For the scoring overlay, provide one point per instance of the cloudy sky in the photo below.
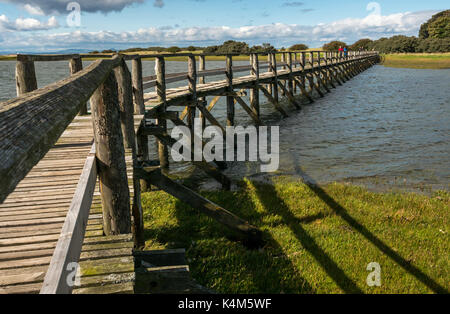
(48, 25)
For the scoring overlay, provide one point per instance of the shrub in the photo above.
(298, 47)
(173, 49)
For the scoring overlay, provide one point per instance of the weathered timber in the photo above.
(202, 103)
(25, 77)
(110, 154)
(125, 96)
(273, 101)
(21, 121)
(248, 233)
(247, 109)
(68, 248)
(160, 70)
(207, 168)
(138, 89)
(192, 84)
(254, 92)
(76, 65)
(230, 99)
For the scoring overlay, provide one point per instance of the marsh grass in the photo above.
(418, 60)
(319, 240)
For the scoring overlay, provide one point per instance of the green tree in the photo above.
(334, 45)
(440, 28)
(298, 47)
(425, 27)
(362, 44)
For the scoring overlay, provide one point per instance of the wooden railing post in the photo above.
(110, 155)
(125, 92)
(160, 70)
(76, 65)
(254, 92)
(25, 76)
(269, 60)
(290, 81)
(230, 99)
(201, 80)
(192, 84)
(138, 90)
(275, 79)
(283, 67)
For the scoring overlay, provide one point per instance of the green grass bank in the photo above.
(418, 60)
(319, 240)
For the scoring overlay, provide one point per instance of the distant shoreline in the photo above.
(407, 60)
(438, 61)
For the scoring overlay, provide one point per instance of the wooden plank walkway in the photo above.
(32, 216)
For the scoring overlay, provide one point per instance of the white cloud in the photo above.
(59, 6)
(351, 29)
(33, 10)
(26, 24)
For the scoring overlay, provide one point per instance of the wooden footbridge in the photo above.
(71, 179)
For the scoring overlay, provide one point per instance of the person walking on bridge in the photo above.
(341, 50)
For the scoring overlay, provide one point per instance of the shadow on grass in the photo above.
(267, 195)
(342, 212)
(220, 262)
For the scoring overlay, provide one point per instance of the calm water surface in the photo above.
(387, 128)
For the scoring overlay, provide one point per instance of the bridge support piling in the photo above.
(125, 91)
(160, 70)
(202, 101)
(230, 98)
(254, 92)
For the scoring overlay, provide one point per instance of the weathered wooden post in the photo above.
(125, 96)
(76, 65)
(110, 154)
(201, 80)
(290, 81)
(138, 89)
(230, 98)
(283, 67)
(125, 92)
(269, 61)
(192, 83)
(254, 92)
(25, 75)
(273, 69)
(160, 70)
(295, 66)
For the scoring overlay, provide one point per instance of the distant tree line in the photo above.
(434, 36)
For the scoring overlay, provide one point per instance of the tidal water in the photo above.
(386, 128)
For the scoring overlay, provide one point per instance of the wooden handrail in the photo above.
(68, 248)
(21, 121)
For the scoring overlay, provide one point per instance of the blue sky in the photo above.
(41, 25)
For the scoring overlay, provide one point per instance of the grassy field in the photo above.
(418, 60)
(319, 240)
(7, 58)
